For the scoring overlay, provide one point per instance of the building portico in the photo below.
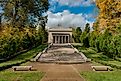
(60, 36)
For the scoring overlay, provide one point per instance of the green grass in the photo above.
(30, 54)
(22, 57)
(102, 76)
(100, 58)
(96, 64)
(20, 76)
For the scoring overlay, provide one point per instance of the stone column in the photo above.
(53, 39)
(56, 39)
(65, 39)
(62, 39)
(68, 38)
(59, 39)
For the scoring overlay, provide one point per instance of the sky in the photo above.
(71, 13)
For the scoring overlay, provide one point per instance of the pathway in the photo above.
(62, 72)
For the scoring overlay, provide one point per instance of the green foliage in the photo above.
(92, 39)
(43, 34)
(14, 41)
(100, 57)
(107, 43)
(78, 31)
(87, 28)
(22, 58)
(20, 13)
(19, 31)
(76, 34)
(84, 38)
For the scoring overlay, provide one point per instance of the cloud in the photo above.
(73, 3)
(66, 19)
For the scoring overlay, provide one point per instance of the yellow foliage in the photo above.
(109, 14)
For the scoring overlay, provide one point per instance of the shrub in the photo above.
(106, 42)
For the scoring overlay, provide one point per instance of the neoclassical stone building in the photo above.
(60, 35)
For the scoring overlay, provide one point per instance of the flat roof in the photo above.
(60, 30)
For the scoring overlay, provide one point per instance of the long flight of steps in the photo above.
(61, 54)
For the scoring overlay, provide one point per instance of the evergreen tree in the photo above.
(87, 28)
(84, 38)
(78, 31)
(76, 34)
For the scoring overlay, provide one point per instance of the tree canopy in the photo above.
(76, 34)
(24, 12)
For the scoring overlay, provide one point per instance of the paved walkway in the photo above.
(62, 72)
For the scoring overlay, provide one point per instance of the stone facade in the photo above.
(60, 36)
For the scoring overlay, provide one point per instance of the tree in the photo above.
(84, 38)
(0, 22)
(92, 38)
(43, 34)
(87, 28)
(78, 31)
(76, 34)
(23, 12)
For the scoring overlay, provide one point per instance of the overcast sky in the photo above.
(71, 13)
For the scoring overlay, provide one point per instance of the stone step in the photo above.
(61, 54)
(63, 62)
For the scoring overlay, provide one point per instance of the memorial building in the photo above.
(60, 35)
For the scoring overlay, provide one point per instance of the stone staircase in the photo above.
(61, 54)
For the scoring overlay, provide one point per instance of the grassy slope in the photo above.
(23, 57)
(100, 76)
(20, 76)
(99, 57)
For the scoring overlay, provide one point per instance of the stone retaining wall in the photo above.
(77, 51)
(39, 54)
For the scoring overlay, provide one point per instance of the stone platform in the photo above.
(63, 54)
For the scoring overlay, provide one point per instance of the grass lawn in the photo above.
(20, 76)
(102, 76)
(100, 59)
(22, 57)
(8, 75)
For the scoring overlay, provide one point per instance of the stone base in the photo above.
(101, 68)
